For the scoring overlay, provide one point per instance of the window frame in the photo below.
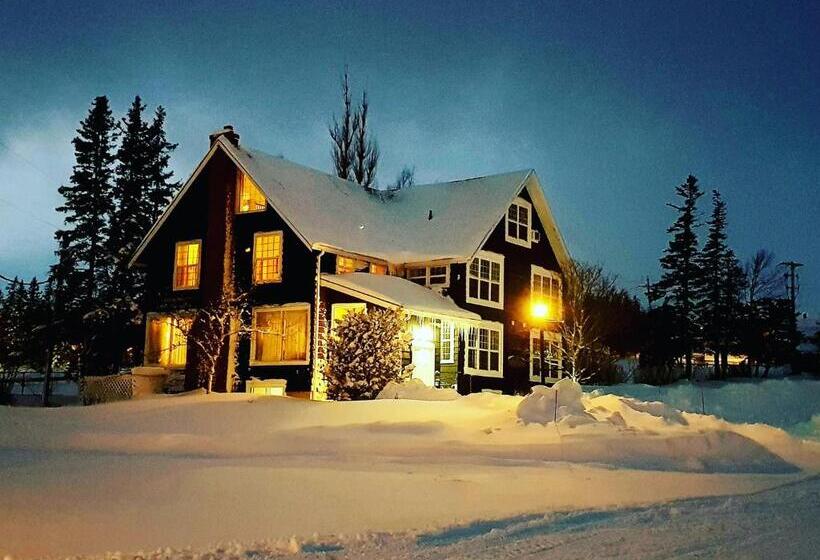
(281, 236)
(357, 306)
(449, 327)
(536, 270)
(151, 315)
(427, 274)
(240, 182)
(198, 264)
(550, 337)
(492, 258)
(489, 326)
(252, 361)
(518, 201)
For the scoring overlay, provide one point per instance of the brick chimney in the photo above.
(226, 131)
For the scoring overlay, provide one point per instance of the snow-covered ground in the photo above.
(401, 478)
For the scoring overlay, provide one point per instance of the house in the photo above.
(467, 260)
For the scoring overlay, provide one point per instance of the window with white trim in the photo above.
(485, 280)
(281, 335)
(267, 257)
(545, 287)
(519, 222)
(447, 342)
(552, 355)
(484, 350)
(186, 264)
(430, 276)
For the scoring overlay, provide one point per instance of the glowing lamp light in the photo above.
(423, 333)
(539, 310)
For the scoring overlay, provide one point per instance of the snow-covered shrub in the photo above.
(548, 404)
(416, 390)
(365, 353)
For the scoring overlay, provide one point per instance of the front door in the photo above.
(424, 360)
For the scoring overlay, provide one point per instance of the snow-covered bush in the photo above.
(416, 390)
(365, 353)
(548, 404)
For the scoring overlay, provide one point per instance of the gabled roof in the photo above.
(394, 291)
(423, 223)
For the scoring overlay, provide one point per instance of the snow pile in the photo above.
(560, 402)
(416, 390)
(784, 403)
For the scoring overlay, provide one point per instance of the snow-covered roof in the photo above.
(394, 291)
(422, 223)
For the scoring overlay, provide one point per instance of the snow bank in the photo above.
(778, 402)
(560, 402)
(416, 390)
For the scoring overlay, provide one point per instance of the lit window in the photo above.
(345, 265)
(484, 350)
(519, 220)
(485, 280)
(545, 288)
(166, 340)
(552, 355)
(380, 269)
(267, 257)
(430, 276)
(280, 335)
(447, 342)
(249, 197)
(186, 265)
(338, 311)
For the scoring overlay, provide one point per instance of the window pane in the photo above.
(473, 288)
(523, 215)
(483, 359)
(494, 293)
(494, 361)
(295, 336)
(495, 276)
(512, 213)
(494, 339)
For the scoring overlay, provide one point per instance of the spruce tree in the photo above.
(161, 187)
(680, 269)
(713, 262)
(365, 149)
(83, 258)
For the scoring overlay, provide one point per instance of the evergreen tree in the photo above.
(160, 188)
(83, 270)
(681, 271)
(355, 154)
(16, 327)
(713, 262)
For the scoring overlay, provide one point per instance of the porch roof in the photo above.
(393, 292)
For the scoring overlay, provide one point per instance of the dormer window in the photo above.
(519, 222)
(249, 198)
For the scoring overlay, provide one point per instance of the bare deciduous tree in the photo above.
(343, 134)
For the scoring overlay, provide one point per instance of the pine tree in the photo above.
(83, 259)
(680, 268)
(160, 188)
(713, 263)
(355, 154)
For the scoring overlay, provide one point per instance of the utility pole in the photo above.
(792, 288)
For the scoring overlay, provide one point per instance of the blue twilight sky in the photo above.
(613, 103)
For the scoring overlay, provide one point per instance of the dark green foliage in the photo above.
(681, 269)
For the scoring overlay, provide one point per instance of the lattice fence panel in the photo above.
(106, 388)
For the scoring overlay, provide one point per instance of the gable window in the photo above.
(249, 197)
(166, 340)
(345, 265)
(186, 264)
(281, 335)
(545, 287)
(552, 355)
(483, 355)
(430, 276)
(519, 221)
(447, 342)
(267, 257)
(485, 279)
